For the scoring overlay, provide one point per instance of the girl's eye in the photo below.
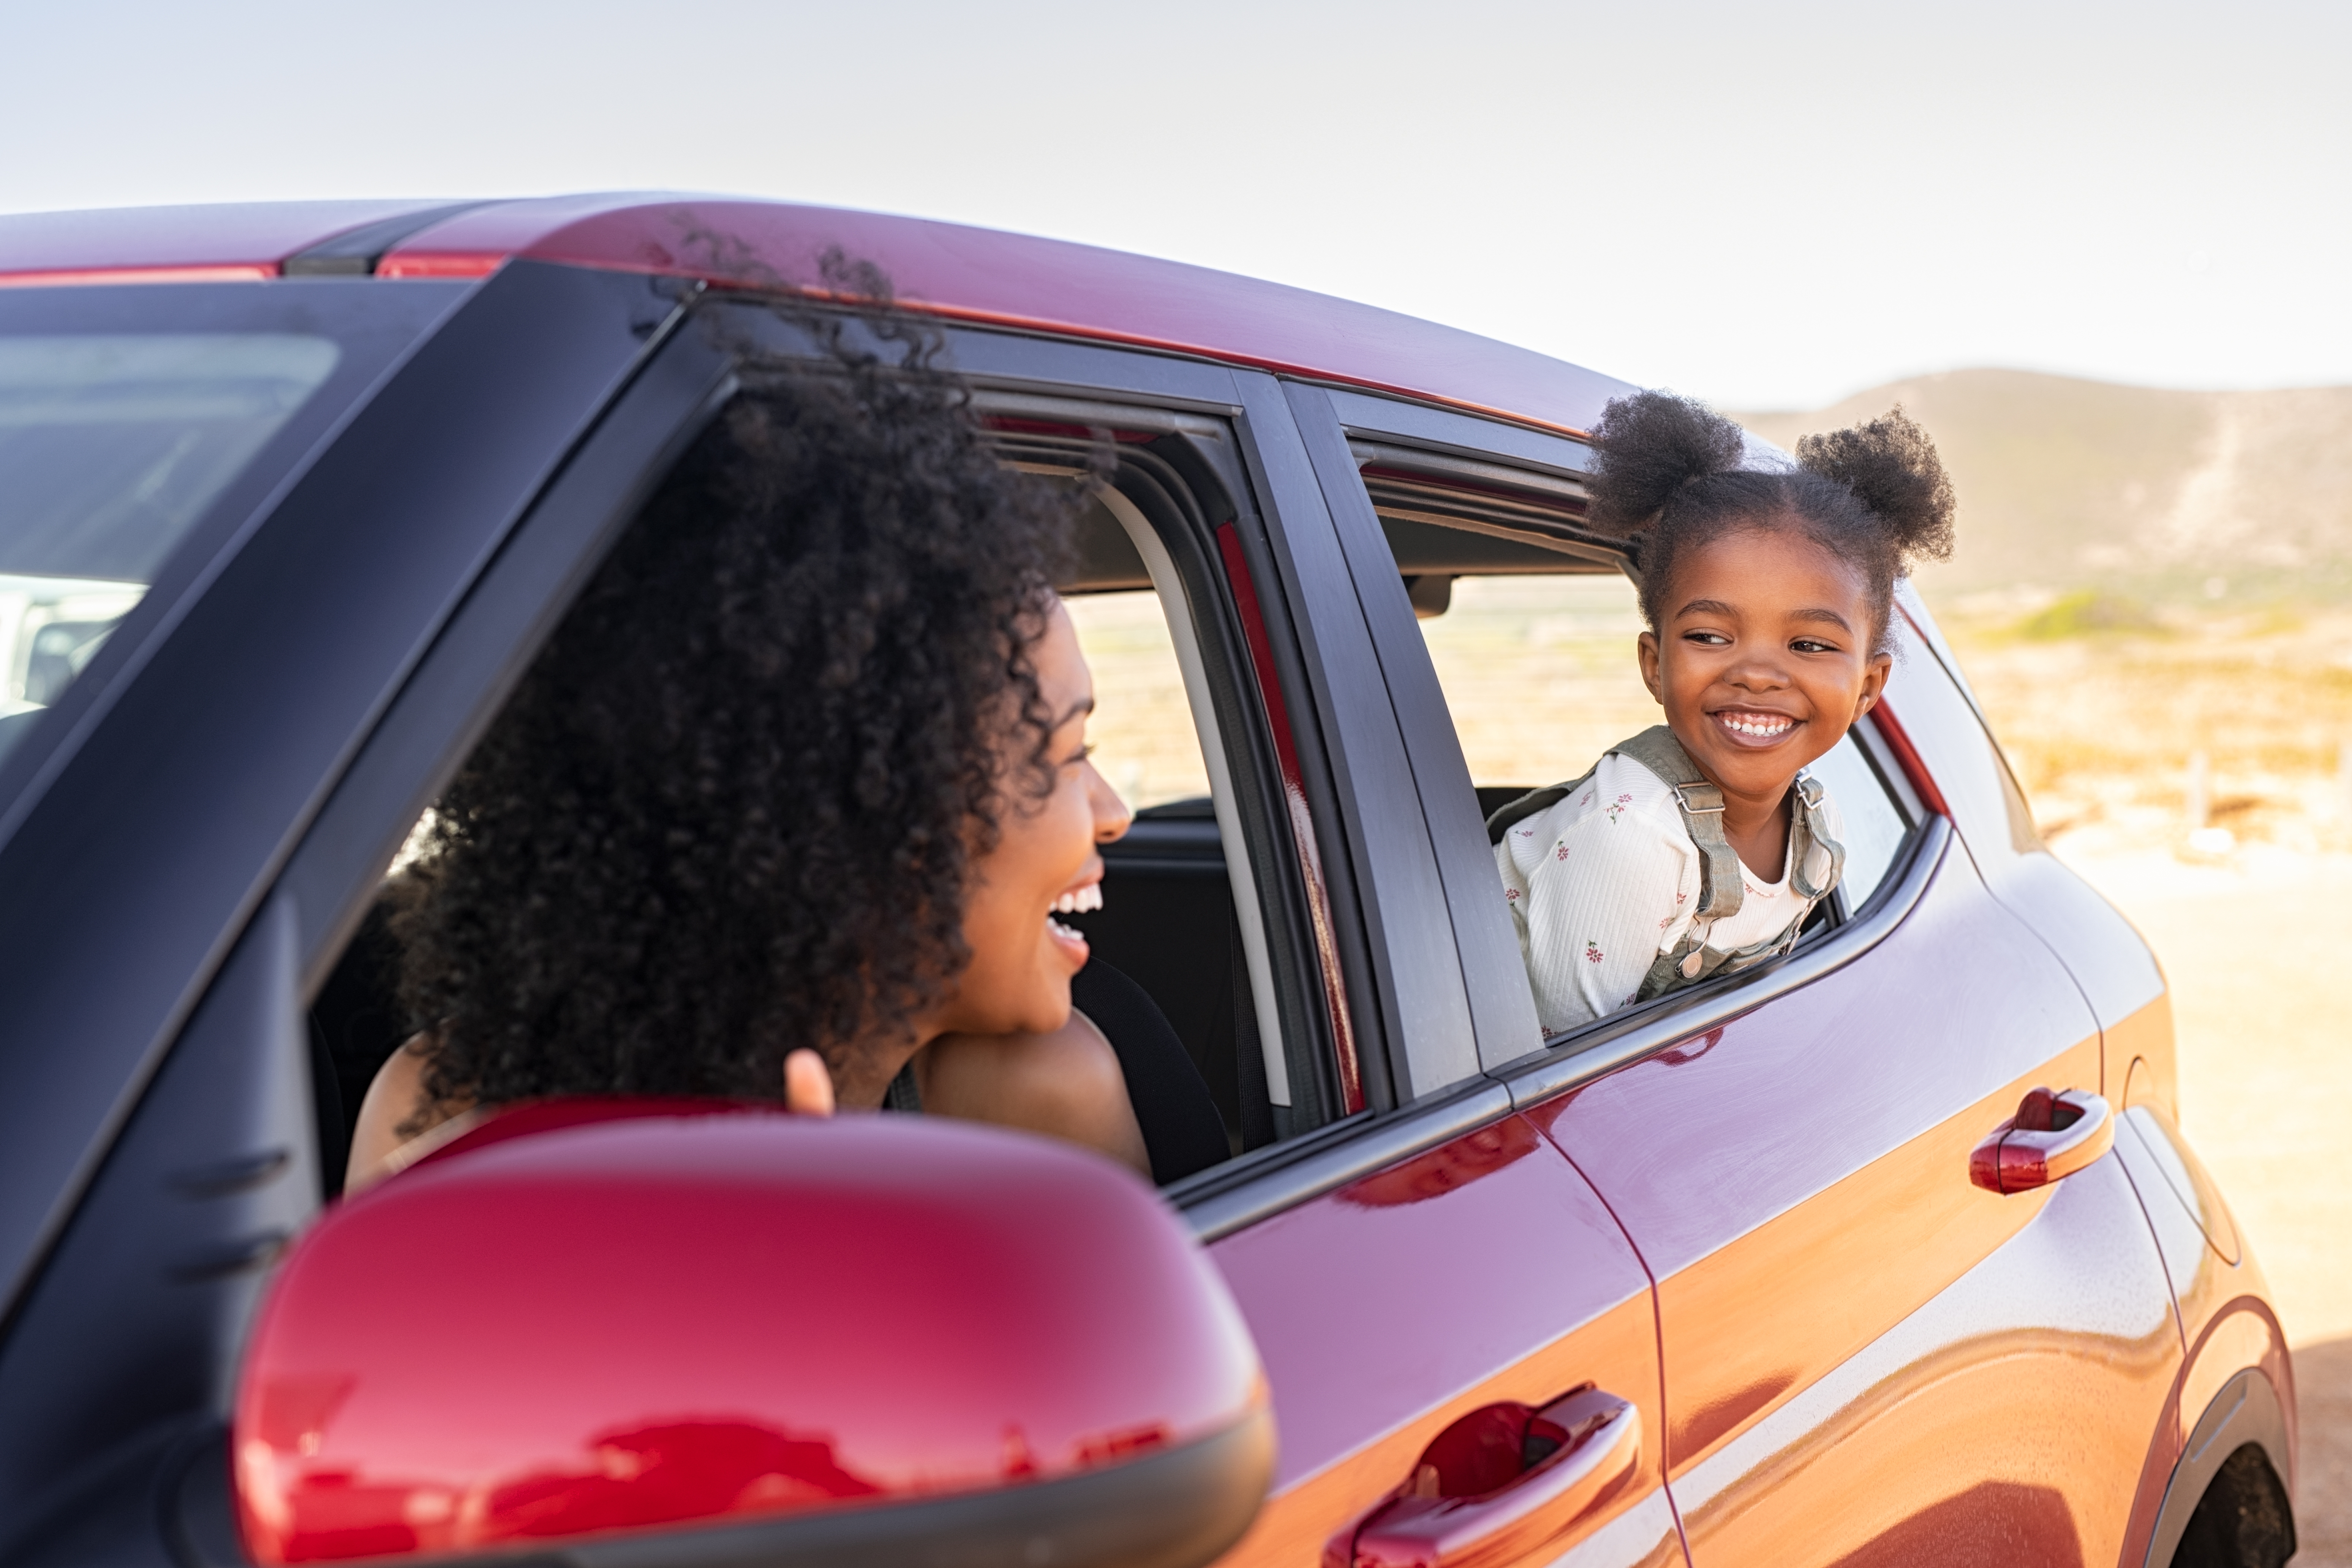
(1707, 639)
(1812, 645)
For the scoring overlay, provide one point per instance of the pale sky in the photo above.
(1766, 205)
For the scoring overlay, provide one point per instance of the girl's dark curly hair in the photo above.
(733, 806)
(1669, 481)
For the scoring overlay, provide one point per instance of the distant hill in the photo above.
(2062, 480)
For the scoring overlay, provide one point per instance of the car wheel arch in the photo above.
(2245, 1413)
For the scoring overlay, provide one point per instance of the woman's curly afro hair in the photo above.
(732, 807)
(1669, 481)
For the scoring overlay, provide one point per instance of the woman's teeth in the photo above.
(1082, 901)
(1763, 726)
(1065, 933)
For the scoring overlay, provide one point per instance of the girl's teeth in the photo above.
(1758, 726)
(1062, 930)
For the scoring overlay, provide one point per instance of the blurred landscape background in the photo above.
(2152, 596)
(2144, 578)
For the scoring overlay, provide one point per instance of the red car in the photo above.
(1890, 1251)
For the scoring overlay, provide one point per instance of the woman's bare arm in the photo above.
(1066, 1085)
(395, 1101)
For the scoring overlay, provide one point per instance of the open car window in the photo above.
(1197, 936)
(1202, 898)
(1531, 623)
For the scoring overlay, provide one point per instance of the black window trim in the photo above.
(1170, 482)
(553, 348)
(1319, 645)
(1563, 1062)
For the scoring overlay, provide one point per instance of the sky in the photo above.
(1770, 206)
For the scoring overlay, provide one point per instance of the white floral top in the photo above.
(1606, 880)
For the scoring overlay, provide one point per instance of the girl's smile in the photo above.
(1755, 728)
(1762, 663)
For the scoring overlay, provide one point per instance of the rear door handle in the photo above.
(1552, 1465)
(2051, 1136)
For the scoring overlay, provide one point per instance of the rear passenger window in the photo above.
(1876, 825)
(1531, 622)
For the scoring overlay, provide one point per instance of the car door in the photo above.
(1856, 1340)
(1855, 1335)
(1459, 1342)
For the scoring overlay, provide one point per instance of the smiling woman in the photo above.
(793, 797)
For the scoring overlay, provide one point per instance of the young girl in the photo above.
(1701, 846)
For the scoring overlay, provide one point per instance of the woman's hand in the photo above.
(808, 1086)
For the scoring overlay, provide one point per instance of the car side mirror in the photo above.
(622, 1333)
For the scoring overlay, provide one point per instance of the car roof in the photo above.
(951, 270)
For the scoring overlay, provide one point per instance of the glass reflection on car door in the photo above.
(1426, 1328)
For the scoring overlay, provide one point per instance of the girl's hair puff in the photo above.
(1670, 481)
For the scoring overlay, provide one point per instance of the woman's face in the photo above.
(1045, 862)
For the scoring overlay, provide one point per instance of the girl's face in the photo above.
(1762, 658)
(1044, 861)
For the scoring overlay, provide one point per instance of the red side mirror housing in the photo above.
(865, 1338)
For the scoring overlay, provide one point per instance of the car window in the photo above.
(111, 446)
(1538, 672)
(1532, 624)
(1190, 944)
(1142, 731)
(1876, 826)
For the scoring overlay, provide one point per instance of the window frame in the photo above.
(1178, 486)
(1374, 849)
(1469, 446)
